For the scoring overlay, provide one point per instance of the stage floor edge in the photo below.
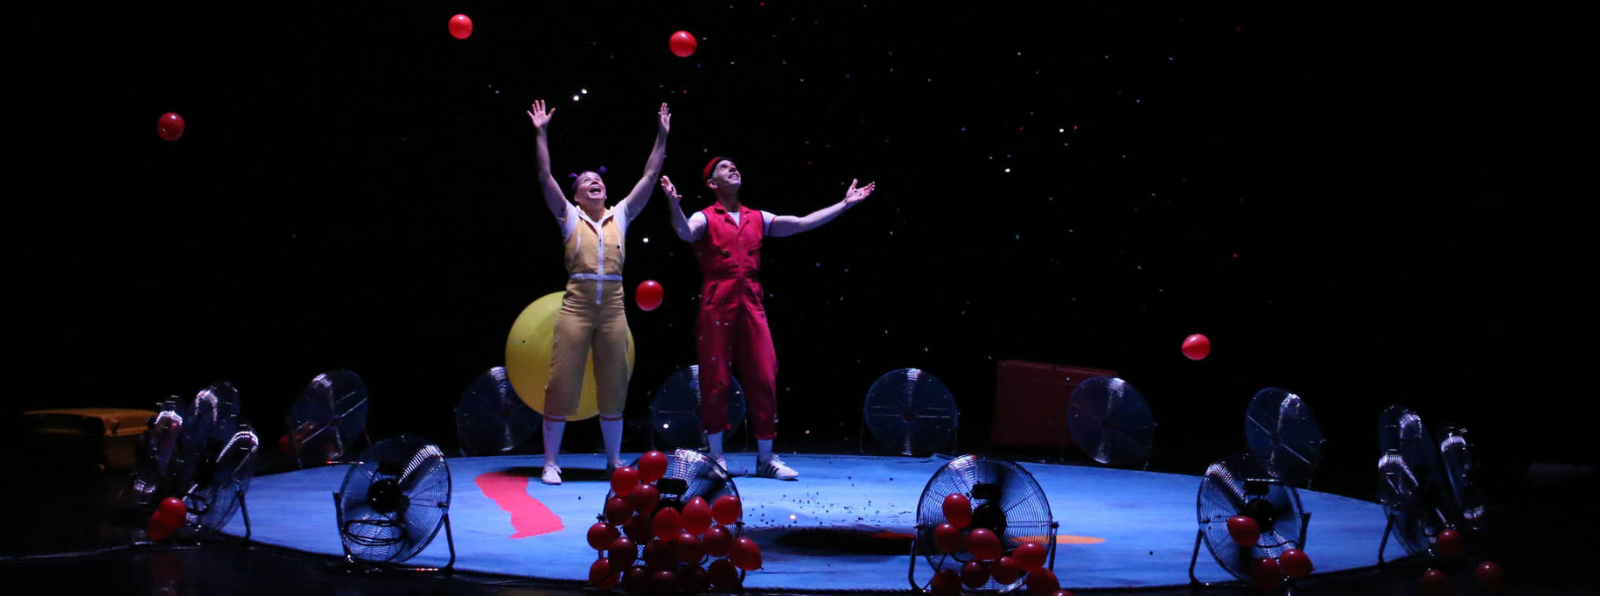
(834, 529)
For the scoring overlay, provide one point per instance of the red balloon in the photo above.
(718, 541)
(974, 574)
(644, 498)
(1196, 347)
(460, 26)
(1490, 577)
(697, 516)
(658, 555)
(683, 44)
(1295, 563)
(946, 583)
(663, 583)
(653, 464)
(1005, 571)
(1244, 530)
(1266, 574)
(1043, 582)
(618, 510)
(745, 554)
(640, 528)
(158, 530)
(623, 480)
(172, 511)
(649, 296)
(958, 510)
(170, 126)
(1449, 543)
(724, 576)
(1030, 556)
(668, 523)
(601, 576)
(948, 538)
(689, 548)
(601, 535)
(1435, 583)
(284, 446)
(622, 552)
(727, 509)
(985, 546)
(637, 580)
(693, 580)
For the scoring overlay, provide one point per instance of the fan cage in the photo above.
(694, 468)
(963, 475)
(418, 470)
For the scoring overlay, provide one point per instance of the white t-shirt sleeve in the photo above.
(766, 222)
(569, 224)
(698, 216)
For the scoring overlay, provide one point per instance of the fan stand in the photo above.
(916, 541)
(1388, 530)
(1383, 542)
(350, 563)
(244, 510)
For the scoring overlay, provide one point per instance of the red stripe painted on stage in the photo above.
(529, 517)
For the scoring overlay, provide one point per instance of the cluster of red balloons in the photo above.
(649, 547)
(170, 516)
(989, 560)
(1268, 572)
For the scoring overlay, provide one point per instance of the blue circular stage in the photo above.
(845, 525)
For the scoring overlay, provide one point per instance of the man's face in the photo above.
(724, 176)
(590, 188)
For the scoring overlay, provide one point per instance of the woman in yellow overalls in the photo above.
(592, 313)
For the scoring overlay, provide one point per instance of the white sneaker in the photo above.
(552, 474)
(775, 468)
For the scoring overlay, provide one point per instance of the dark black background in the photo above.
(1364, 206)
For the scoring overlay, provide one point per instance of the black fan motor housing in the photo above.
(385, 496)
(988, 513)
(1262, 511)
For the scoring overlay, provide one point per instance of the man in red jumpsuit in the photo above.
(731, 330)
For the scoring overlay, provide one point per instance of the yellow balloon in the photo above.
(528, 357)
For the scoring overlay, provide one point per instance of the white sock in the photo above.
(714, 443)
(611, 431)
(765, 447)
(552, 439)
